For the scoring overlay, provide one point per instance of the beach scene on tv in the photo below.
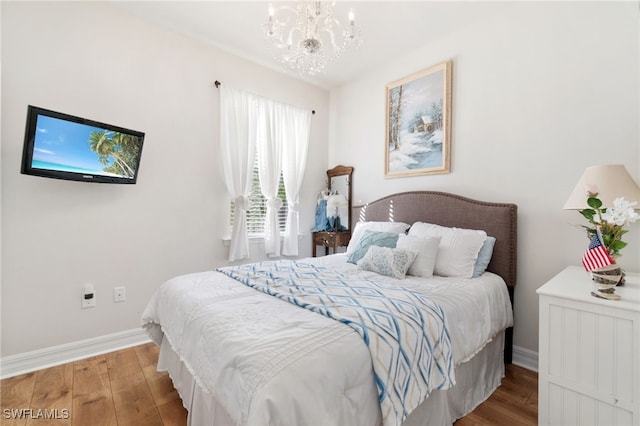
(79, 148)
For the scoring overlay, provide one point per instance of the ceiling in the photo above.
(388, 28)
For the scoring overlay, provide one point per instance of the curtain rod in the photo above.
(217, 84)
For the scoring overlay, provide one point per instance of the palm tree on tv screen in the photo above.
(123, 149)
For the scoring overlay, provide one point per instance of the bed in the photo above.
(240, 352)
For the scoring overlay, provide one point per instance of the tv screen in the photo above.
(63, 146)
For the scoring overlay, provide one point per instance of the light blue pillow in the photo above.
(372, 238)
(484, 257)
(391, 262)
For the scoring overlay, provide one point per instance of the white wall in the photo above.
(539, 93)
(90, 60)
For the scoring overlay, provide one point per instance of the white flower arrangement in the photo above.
(622, 213)
(609, 221)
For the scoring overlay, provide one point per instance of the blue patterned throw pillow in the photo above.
(371, 238)
(390, 262)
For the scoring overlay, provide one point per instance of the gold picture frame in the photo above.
(418, 123)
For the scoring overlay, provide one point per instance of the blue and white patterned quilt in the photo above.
(405, 331)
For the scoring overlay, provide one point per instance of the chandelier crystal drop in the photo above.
(306, 37)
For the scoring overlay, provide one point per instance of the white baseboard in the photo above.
(48, 357)
(525, 358)
(27, 362)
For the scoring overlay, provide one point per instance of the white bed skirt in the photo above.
(476, 380)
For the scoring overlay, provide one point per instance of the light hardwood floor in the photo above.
(124, 388)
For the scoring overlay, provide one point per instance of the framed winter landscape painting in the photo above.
(419, 123)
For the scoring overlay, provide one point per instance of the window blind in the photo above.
(258, 207)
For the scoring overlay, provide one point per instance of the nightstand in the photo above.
(328, 239)
(589, 354)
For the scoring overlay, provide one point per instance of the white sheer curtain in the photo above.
(270, 136)
(238, 130)
(294, 162)
(280, 134)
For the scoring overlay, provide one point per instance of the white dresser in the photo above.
(589, 361)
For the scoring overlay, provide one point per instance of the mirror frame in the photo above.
(343, 171)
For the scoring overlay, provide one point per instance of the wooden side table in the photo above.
(328, 239)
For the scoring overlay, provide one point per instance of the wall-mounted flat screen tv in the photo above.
(63, 146)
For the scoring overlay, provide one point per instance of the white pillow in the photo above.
(427, 249)
(458, 248)
(360, 227)
(391, 262)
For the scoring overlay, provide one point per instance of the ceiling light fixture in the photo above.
(306, 36)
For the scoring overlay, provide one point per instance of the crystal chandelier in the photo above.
(306, 36)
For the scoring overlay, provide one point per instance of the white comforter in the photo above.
(269, 362)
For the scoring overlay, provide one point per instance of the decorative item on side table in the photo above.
(333, 212)
(600, 196)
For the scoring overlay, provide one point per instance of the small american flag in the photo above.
(596, 255)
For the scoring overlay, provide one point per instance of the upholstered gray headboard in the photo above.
(497, 219)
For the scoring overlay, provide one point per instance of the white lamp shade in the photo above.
(334, 202)
(609, 182)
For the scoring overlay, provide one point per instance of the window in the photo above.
(258, 207)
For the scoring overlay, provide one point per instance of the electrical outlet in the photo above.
(119, 294)
(88, 299)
